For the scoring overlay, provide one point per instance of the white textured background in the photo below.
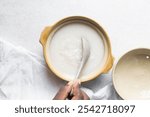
(127, 22)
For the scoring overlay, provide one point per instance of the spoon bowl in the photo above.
(85, 55)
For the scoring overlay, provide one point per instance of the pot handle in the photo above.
(44, 35)
(109, 64)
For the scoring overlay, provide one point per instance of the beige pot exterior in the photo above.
(48, 30)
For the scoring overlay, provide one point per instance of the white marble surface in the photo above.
(127, 22)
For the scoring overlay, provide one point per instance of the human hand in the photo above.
(64, 92)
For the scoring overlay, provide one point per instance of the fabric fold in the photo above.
(24, 75)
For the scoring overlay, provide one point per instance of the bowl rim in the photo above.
(116, 64)
(109, 58)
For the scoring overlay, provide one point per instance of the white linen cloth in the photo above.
(24, 75)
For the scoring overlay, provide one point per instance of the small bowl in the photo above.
(131, 75)
(50, 31)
